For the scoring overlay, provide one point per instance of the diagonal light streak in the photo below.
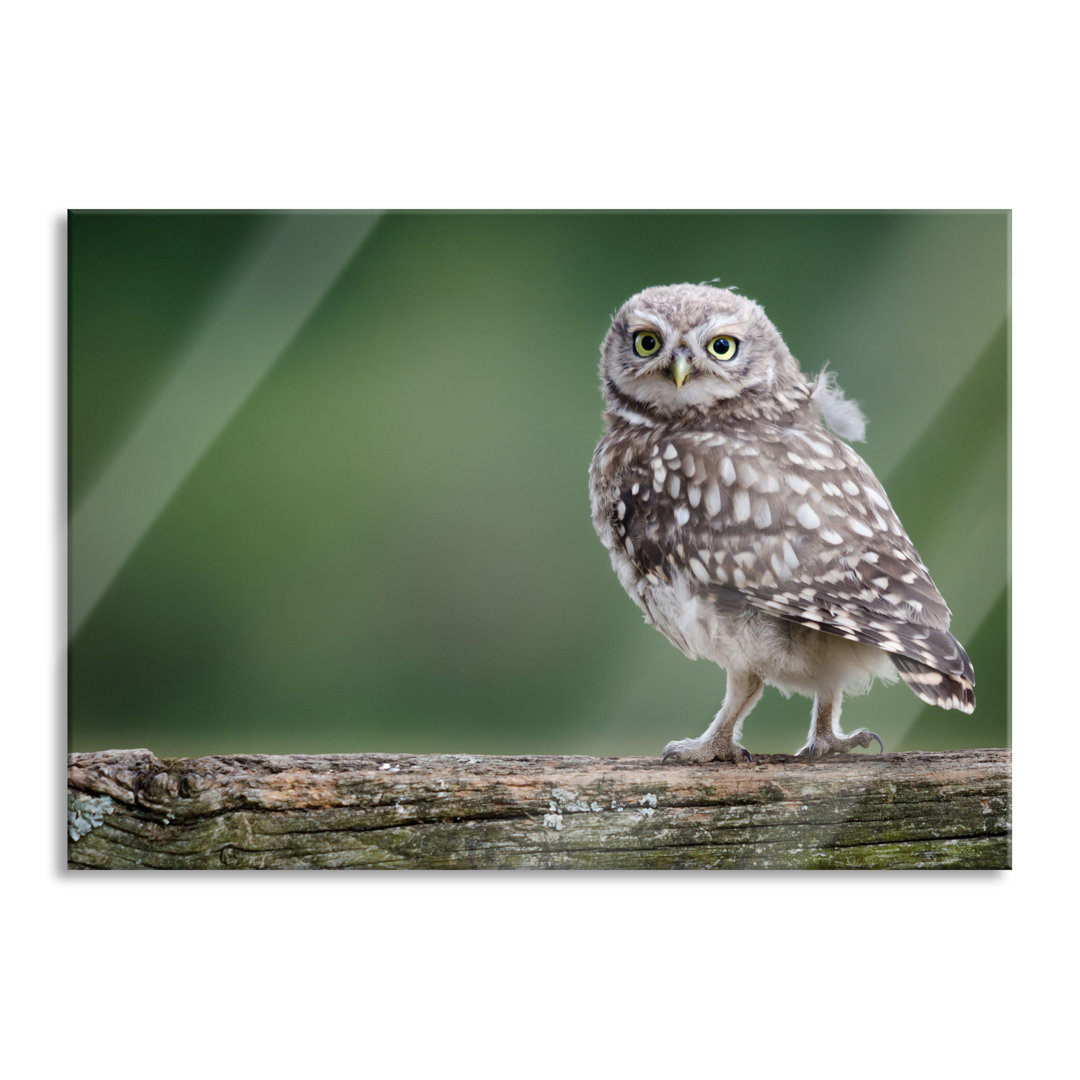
(297, 262)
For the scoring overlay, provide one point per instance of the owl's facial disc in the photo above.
(668, 369)
(690, 347)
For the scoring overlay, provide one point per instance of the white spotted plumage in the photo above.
(748, 532)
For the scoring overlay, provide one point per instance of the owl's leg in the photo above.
(825, 735)
(720, 742)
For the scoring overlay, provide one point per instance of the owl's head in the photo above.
(678, 348)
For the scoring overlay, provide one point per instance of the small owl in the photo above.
(748, 532)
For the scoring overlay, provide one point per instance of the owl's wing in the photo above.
(793, 523)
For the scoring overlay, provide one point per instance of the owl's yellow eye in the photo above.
(646, 343)
(723, 347)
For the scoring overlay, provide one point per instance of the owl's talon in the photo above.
(862, 737)
(701, 751)
(829, 743)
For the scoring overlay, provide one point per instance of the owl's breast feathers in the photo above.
(788, 520)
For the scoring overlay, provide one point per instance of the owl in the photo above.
(746, 528)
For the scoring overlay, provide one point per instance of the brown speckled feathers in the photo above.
(790, 521)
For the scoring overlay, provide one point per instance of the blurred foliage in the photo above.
(388, 548)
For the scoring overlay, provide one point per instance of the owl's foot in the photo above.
(701, 750)
(720, 741)
(828, 742)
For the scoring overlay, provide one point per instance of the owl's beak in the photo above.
(681, 371)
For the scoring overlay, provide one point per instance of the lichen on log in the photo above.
(130, 809)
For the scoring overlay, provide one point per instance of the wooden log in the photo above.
(129, 809)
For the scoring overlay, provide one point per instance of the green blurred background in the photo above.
(358, 520)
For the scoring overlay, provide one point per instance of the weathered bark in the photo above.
(129, 809)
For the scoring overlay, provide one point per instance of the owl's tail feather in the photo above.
(936, 687)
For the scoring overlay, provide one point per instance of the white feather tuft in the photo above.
(844, 417)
